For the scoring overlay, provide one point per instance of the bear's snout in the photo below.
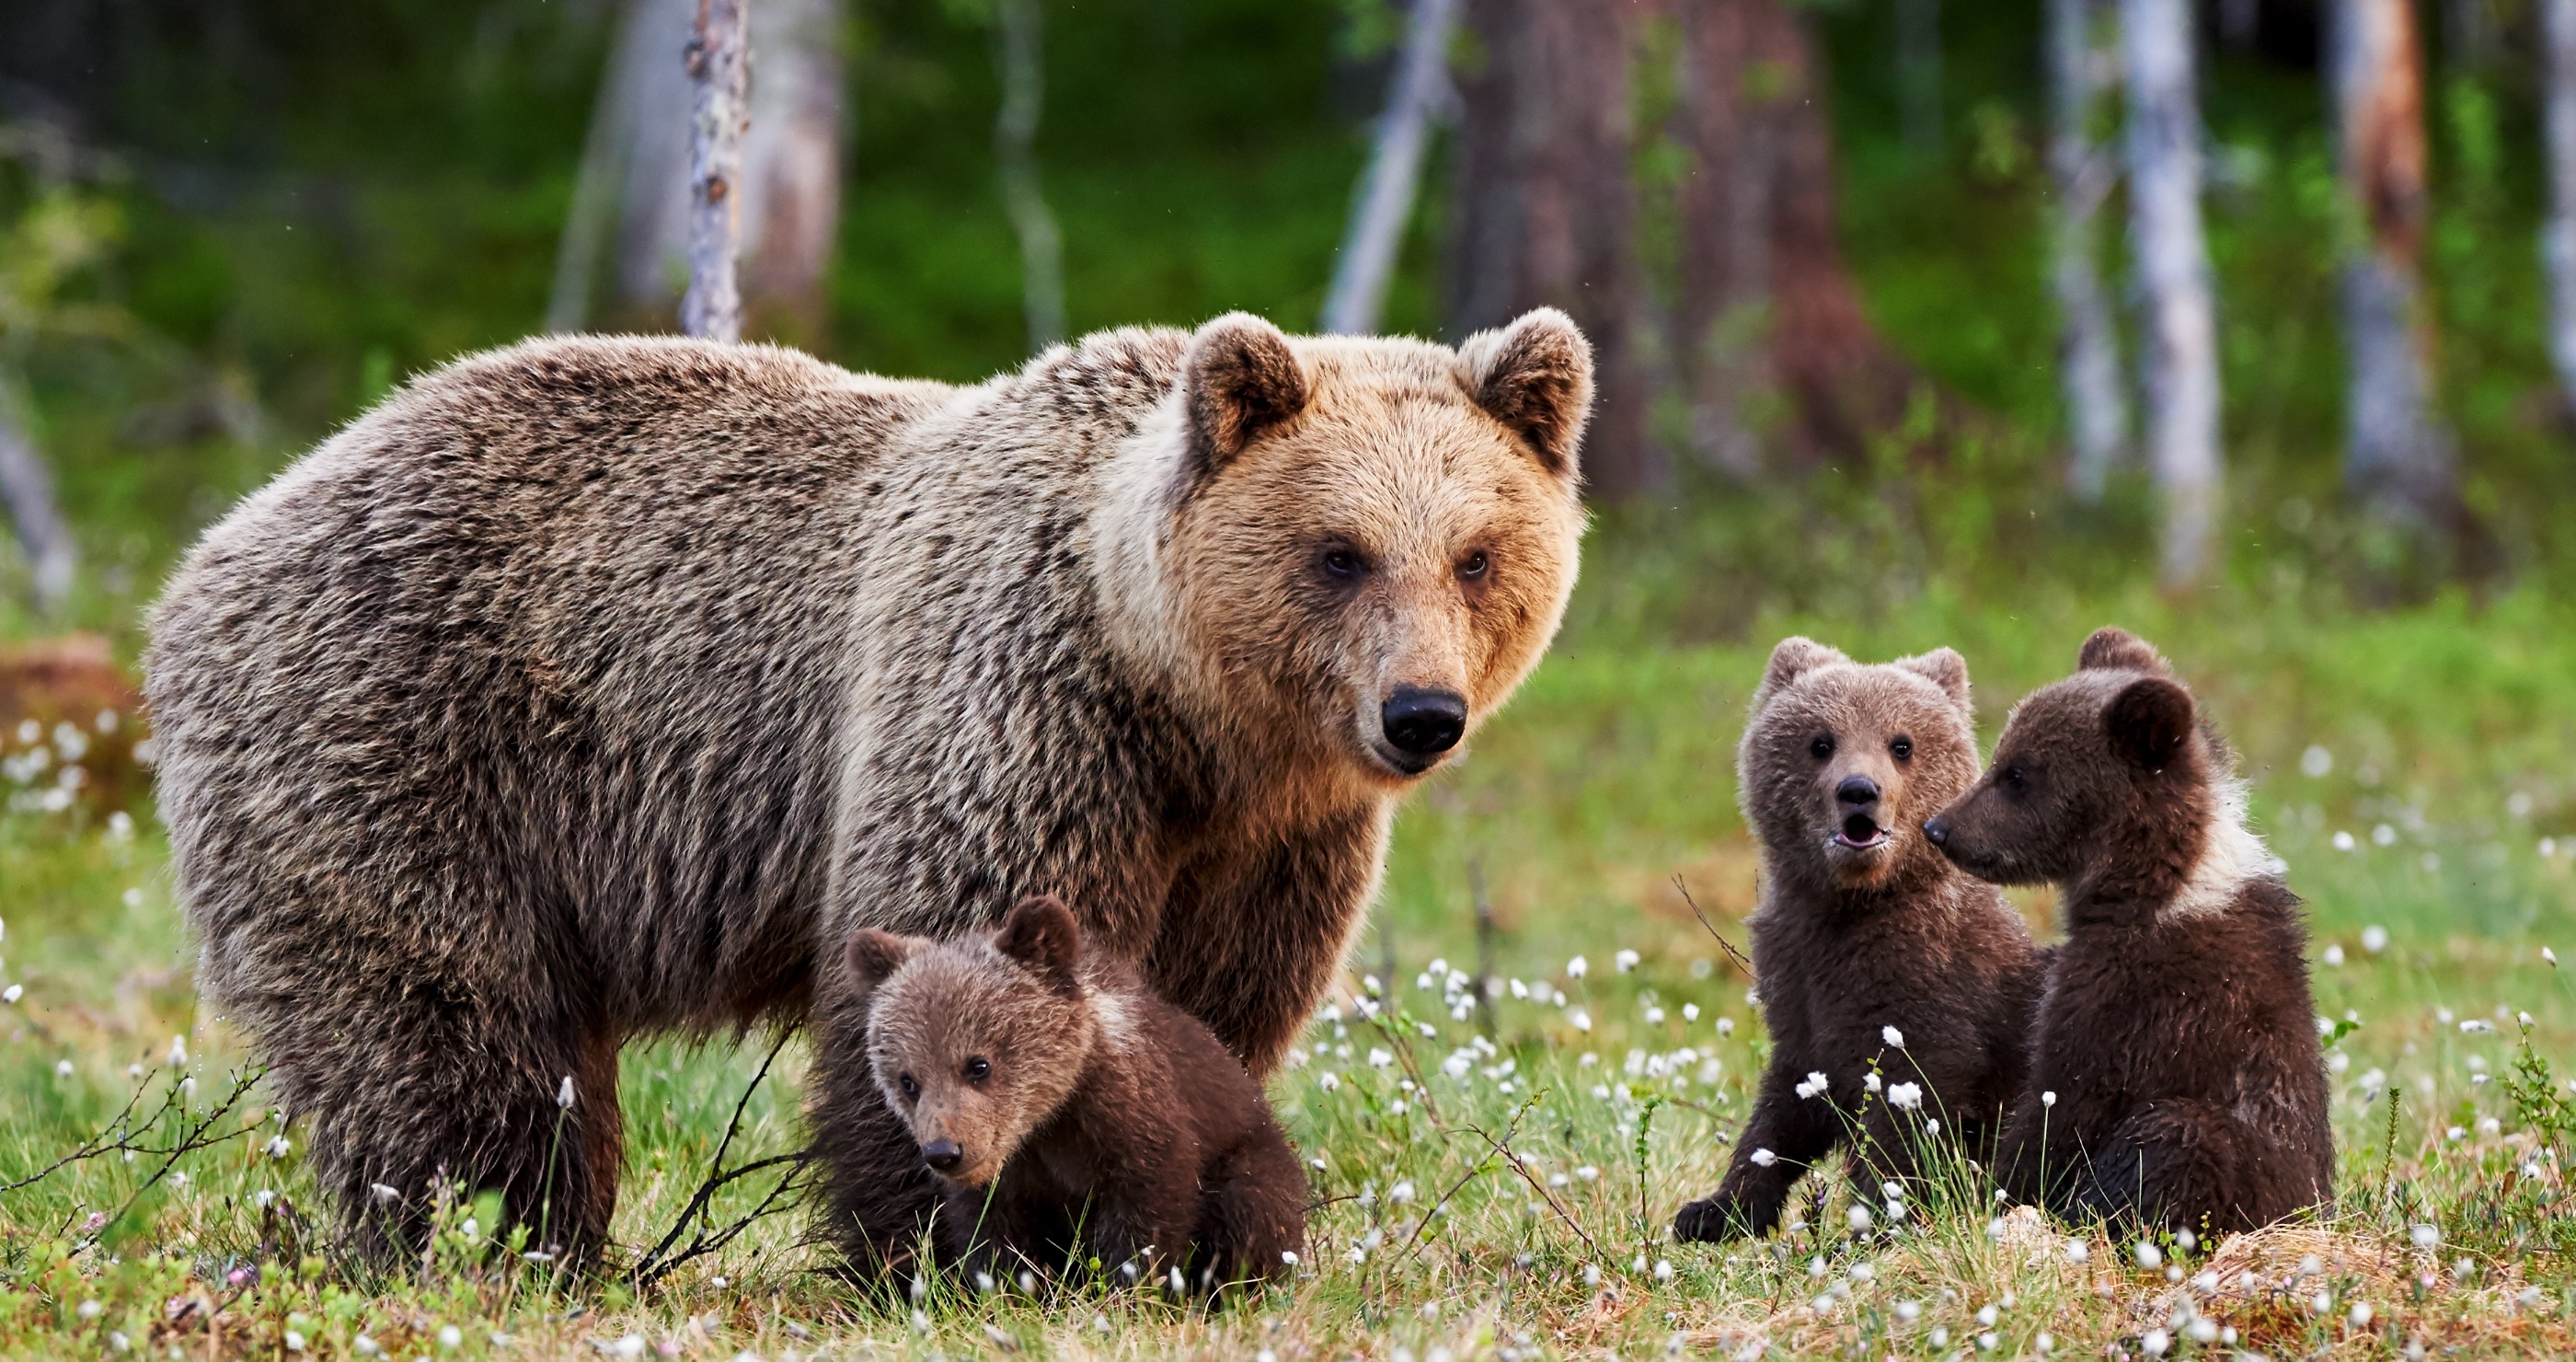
(1857, 790)
(1422, 722)
(1938, 830)
(943, 1155)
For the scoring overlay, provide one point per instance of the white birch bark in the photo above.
(719, 64)
(2180, 334)
(2558, 236)
(2397, 454)
(1019, 55)
(2097, 407)
(27, 488)
(1375, 237)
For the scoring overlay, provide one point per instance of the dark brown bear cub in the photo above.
(2176, 1080)
(1898, 991)
(1072, 1115)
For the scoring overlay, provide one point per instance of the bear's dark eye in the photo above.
(1472, 567)
(2013, 778)
(977, 1070)
(1903, 748)
(1821, 746)
(1343, 562)
(910, 1089)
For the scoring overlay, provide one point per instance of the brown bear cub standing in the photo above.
(1069, 1113)
(2176, 1079)
(1871, 949)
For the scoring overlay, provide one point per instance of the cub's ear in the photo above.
(1534, 376)
(2149, 722)
(1942, 667)
(1240, 378)
(1041, 934)
(875, 955)
(2115, 649)
(1794, 657)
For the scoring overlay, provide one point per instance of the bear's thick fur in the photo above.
(1071, 1114)
(1864, 928)
(2176, 1080)
(598, 686)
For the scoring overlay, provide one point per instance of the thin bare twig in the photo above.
(1482, 1167)
(1741, 962)
(1536, 1186)
(660, 1262)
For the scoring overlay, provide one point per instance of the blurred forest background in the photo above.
(1893, 296)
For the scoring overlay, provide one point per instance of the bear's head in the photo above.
(1355, 548)
(1841, 761)
(2109, 762)
(976, 1041)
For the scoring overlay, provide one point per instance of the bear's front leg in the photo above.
(1788, 1132)
(1252, 1213)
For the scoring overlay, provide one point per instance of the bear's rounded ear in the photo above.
(2115, 649)
(2149, 722)
(1041, 934)
(1239, 379)
(1942, 667)
(1795, 656)
(875, 955)
(1534, 376)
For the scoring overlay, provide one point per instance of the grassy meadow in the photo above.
(1492, 1184)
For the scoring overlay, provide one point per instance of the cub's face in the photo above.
(1381, 535)
(975, 1042)
(2077, 758)
(1841, 761)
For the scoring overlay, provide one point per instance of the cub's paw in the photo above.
(1712, 1220)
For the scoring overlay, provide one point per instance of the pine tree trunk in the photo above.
(1019, 58)
(1385, 202)
(2397, 456)
(2097, 408)
(1545, 209)
(719, 74)
(2558, 237)
(2173, 269)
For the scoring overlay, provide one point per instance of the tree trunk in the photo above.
(2097, 409)
(720, 80)
(1918, 74)
(2397, 456)
(27, 488)
(2558, 237)
(632, 200)
(1769, 333)
(1546, 211)
(1385, 203)
(1019, 58)
(2173, 269)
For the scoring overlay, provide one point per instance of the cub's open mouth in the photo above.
(1860, 832)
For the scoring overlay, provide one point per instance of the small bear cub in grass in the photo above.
(2176, 1080)
(1898, 991)
(1070, 1114)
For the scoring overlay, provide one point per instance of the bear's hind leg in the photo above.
(2177, 1165)
(1252, 1213)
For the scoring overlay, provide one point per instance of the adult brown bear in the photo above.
(601, 687)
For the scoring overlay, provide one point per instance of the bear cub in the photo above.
(1072, 1115)
(2176, 1080)
(1898, 991)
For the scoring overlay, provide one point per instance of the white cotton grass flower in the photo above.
(2374, 938)
(364, 1346)
(1763, 1158)
(564, 1094)
(1858, 1218)
(1905, 1096)
(62, 1068)
(1894, 1037)
(2156, 1343)
(1577, 967)
(1690, 1012)
(1726, 1026)
(178, 1052)
(2345, 841)
(278, 1147)
(2048, 1099)
(1814, 1086)
(1870, 1082)
(2333, 956)
(2426, 1237)
(1624, 961)
(2078, 1251)
(12, 994)
(2359, 1315)
(1663, 1269)
(1578, 1018)
(451, 1337)
(2149, 1255)
(1380, 1057)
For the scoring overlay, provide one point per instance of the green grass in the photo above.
(1610, 775)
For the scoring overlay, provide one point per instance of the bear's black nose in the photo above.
(1857, 790)
(943, 1155)
(1939, 831)
(1424, 722)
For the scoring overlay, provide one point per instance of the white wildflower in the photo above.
(1577, 967)
(1579, 1019)
(1663, 1270)
(2374, 938)
(1625, 961)
(2048, 1099)
(2359, 1314)
(1726, 1026)
(1379, 1057)
(2334, 956)
(2149, 1255)
(278, 1147)
(2078, 1251)
(1858, 1218)
(564, 1093)
(2156, 1343)
(1892, 1036)
(1763, 1158)
(62, 1068)
(178, 1052)
(1690, 1012)
(1905, 1096)
(2343, 841)
(1328, 1080)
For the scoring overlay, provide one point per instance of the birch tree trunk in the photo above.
(791, 167)
(2558, 237)
(720, 74)
(2097, 408)
(1019, 57)
(27, 488)
(2173, 268)
(2397, 456)
(1385, 201)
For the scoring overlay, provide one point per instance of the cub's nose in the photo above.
(1857, 790)
(943, 1155)
(1424, 722)
(1939, 831)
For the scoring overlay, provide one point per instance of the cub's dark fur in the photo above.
(2176, 1031)
(1863, 926)
(1069, 1113)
